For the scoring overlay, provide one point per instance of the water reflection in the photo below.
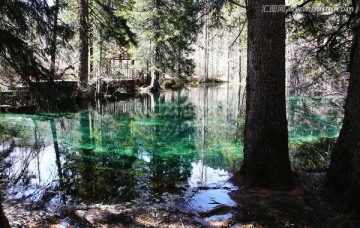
(310, 118)
(141, 148)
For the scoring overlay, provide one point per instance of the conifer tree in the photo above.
(26, 29)
(165, 32)
(266, 155)
(342, 179)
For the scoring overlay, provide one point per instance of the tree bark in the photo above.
(84, 42)
(3, 220)
(266, 155)
(53, 41)
(155, 84)
(91, 41)
(155, 74)
(343, 177)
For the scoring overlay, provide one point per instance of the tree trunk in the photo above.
(3, 220)
(155, 74)
(84, 42)
(91, 41)
(155, 84)
(206, 50)
(53, 41)
(343, 177)
(266, 155)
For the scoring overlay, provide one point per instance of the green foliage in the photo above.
(314, 124)
(110, 21)
(165, 32)
(312, 155)
(324, 40)
(173, 84)
(26, 29)
(310, 119)
(24, 26)
(21, 23)
(220, 11)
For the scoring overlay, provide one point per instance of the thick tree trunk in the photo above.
(343, 177)
(84, 43)
(4, 223)
(266, 157)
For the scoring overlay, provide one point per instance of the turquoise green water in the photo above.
(144, 147)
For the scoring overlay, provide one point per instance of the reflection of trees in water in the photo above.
(167, 140)
(309, 119)
(159, 131)
(119, 155)
(218, 125)
(27, 150)
(23, 158)
(97, 176)
(313, 128)
(57, 160)
(4, 153)
(131, 149)
(125, 150)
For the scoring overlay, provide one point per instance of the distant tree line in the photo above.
(159, 34)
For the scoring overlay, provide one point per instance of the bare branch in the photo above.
(238, 4)
(242, 28)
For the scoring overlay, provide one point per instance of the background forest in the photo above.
(94, 39)
(291, 77)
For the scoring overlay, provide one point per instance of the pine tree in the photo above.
(266, 155)
(28, 44)
(102, 22)
(165, 32)
(343, 177)
(22, 24)
(84, 42)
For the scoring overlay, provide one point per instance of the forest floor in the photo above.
(304, 206)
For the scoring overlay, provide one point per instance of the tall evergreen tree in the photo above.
(343, 177)
(109, 24)
(324, 40)
(102, 20)
(4, 223)
(266, 158)
(84, 42)
(20, 23)
(26, 29)
(165, 30)
(54, 38)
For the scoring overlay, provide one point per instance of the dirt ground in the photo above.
(304, 206)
